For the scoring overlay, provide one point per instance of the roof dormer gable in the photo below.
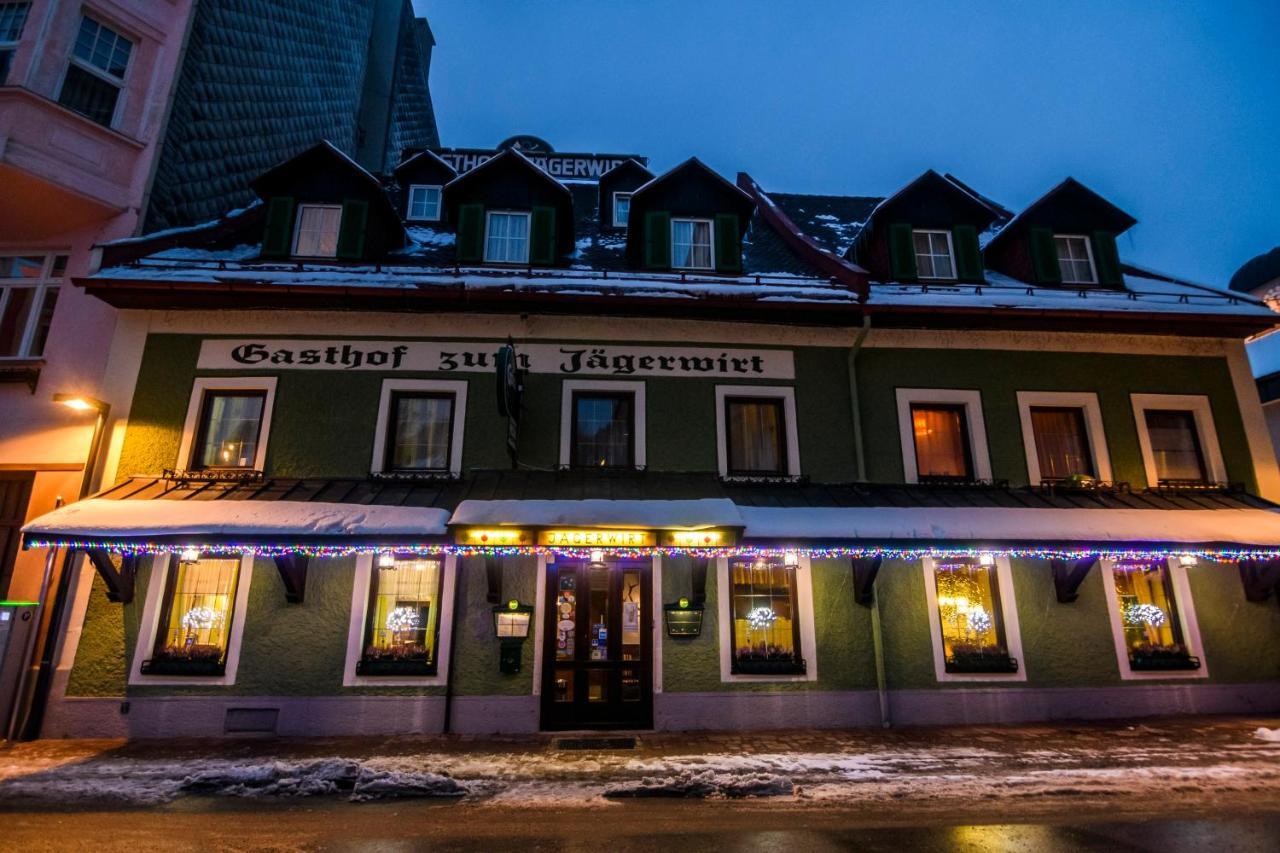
(616, 188)
(419, 182)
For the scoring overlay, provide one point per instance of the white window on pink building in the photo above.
(95, 73)
(12, 18)
(28, 295)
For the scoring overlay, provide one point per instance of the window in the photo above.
(603, 430)
(934, 257)
(621, 209)
(507, 238)
(230, 427)
(941, 441)
(12, 18)
(96, 72)
(28, 297)
(402, 626)
(421, 427)
(424, 203)
(756, 434)
(1152, 619)
(766, 627)
(1075, 259)
(970, 617)
(316, 234)
(691, 244)
(1063, 437)
(1178, 440)
(195, 619)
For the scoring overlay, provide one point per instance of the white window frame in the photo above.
(1198, 405)
(711, 232)
(1008, 614)
(457, 388)
(42, 286)
(12, 45)
(360, 611)
(191, 425)
(975, 425)
(150, 625)
(567, 389)
(614, 210)
(808, 634)
(528, 241)
(785, 393)
(439, 202)
(1087, 402)
(121, 83)
(297, 229)
(1088, 250)
(951, 253)
(1186, 619)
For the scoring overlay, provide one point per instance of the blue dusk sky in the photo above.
(1170, 110)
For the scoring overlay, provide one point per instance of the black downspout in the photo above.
(453, 644)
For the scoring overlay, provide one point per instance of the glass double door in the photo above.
(597, 670)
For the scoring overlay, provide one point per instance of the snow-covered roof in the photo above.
(624, 514)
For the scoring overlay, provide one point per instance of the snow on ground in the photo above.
(1270, 735)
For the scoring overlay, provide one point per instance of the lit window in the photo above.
(968, 595)
(766, 627)
(28, 297)
(317, 231)
(424, 203)
(12, 18)
(755, 431)
(621, 209)
(230, 429)
(402, 629)
(421, 426)
(1149, 616)
(96, 72)
(195, 623)
(691, 244)
(1062, 442)
(933, 254)
(603, 430)
(507, 238)
(941, 437)
(1175, 446)
(1075, 260)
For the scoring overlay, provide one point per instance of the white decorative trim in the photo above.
(150, 624)
(1084, 400)
(711, 232)
(1186, 618)
(191, 425)
(785, 393)
(360, 611)
(1008, 613)
(297, 229)
(975, 425)
(808, 634)
(408, 207)
(455, 387)
(1257, 432)
(1088, 250)
(613, 211)
(951, 254)
(566, 413)
(528, 235)
(1198, 405)
(539, 614)
(657, 617)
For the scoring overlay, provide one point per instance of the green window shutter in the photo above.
(279, 228)
(728, 243)
(902, 253)
(542, 236)
(657, 240)
(1107, 259)
(351, 231)
(964, 240)
(470, 233)
(1044, 256)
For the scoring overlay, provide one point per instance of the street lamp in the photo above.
(80, 403)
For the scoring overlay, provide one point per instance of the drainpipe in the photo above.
(877, 644)
(860, 459)
(453, 644)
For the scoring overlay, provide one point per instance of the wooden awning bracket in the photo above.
(293, 571)
(119, 581)
(865, 570)
(1261, 578)
(1068, 575)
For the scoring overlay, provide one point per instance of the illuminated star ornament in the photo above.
(761, 618)
(402, 619)
(1144, 614)
(979, 620)
(200, 618)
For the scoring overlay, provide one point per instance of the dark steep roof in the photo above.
(833, 221)
(1257, 272)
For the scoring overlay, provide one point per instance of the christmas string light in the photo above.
(1144, 614)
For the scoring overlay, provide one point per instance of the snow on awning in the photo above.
(1248, 527)
(699, 514)
(98, 518)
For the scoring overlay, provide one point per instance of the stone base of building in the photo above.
(302, 716)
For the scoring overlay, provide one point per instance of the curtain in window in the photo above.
(968, 608)
(755, 436)
(231, 426)
(941, 441)
(404, 610)
(421, 439)
(690, 244)
(1175, 445)
(317, 231)
(1062, 445)
(764, 619)
(201, 599)
(508, 240)
(1144, 594)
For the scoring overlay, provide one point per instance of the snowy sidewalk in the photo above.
(1202, 760)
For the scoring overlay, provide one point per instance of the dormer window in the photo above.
(1075, 259)
(691, 244)
(506, 238)
(316, 234)
(424, 203)
(934, 254)
(621, 209)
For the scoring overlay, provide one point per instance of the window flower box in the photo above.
(1158, 658)
(993, 660)
(768, 666)
(199, 660)
(406, 660)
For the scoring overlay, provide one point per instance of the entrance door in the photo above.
(597, 670)
(15, 494)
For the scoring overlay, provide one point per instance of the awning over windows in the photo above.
(626, 514)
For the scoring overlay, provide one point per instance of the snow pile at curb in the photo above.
(705, 785)
(1269, 735)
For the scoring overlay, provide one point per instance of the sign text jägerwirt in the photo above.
(478, 357)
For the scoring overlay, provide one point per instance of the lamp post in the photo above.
(40, 696)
